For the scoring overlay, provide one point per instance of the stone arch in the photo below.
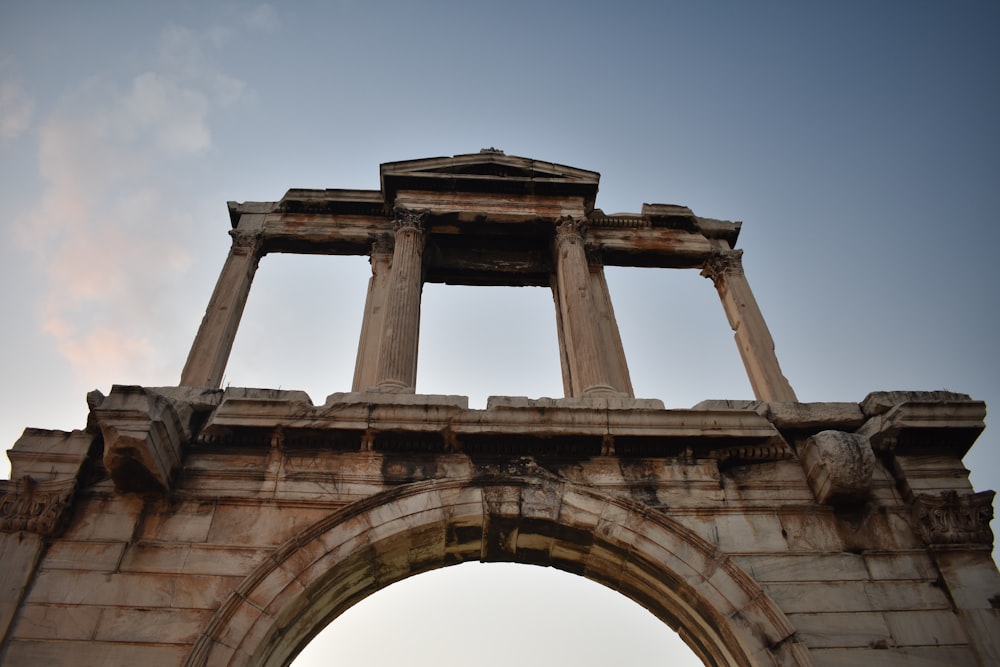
(718, 610)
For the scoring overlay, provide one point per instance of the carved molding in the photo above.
(722, 264)
(754, 454)
(950, 518)
(35, 507)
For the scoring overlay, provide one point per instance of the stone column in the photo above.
(210, 352)
(753, 339)
(396, 369)
(611, 340)
(580, 332)
(371, 324)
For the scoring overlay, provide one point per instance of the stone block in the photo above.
(838, 466)
(815, 416)
(190, 559)
(805, 567)
(269, 524)
(46, 455)
(157, 626)
(842, 630)
(56, 622)
(93, 653)
(92, 556)
(111, 518)
(906, 565)
(144, 436)
(19, 553)
(926, 628)
(946, 656)
(178, 521)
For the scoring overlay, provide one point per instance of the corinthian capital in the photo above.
(247, 240)
(35, 507)
(568, 228)
(406, 219)
(722, 264)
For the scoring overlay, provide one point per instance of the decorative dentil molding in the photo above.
(950, 518)
(36, 507)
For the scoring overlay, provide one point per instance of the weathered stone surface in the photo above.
(144, 435)
(838, 465)
(222, 527)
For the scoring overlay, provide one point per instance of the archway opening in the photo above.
(518, 513)
(495, 615)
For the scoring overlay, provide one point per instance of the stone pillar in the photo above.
(585, 365)
(371, 324)
(210, 352)
(753, 339)
(396, 369)
(611, 340)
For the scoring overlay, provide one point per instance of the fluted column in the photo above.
(585, 367)
(209, 353)
(611, 340)
(753, 339)
(371, 323)
(396, 369)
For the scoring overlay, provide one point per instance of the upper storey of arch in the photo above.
(490, 218)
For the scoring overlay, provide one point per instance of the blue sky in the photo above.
(857, 141)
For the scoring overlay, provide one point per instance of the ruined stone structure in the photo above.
(192, 525)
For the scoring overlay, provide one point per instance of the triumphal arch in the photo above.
(195, 525)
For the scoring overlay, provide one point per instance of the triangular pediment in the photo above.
(487, 171)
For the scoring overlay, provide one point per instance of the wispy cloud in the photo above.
(16, 105)
(107, 232)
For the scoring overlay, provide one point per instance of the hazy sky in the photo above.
(858, 142)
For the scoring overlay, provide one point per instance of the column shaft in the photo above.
(209, 354)
(375, 306)
(752, 336)
(396, 369)
(587, 370)
(611, 340)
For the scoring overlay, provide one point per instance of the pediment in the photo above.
(488, 171)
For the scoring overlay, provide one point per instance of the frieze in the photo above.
(36, 507)
(950, 518)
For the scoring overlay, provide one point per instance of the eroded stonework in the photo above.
(195, 525)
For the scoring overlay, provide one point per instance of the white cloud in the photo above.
(107, 231)
(16, 108)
